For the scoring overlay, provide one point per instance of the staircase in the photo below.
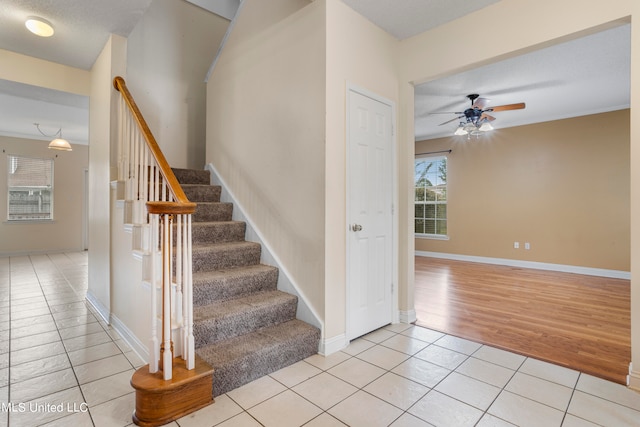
(243, 326)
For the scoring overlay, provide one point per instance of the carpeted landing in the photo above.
(243, 326)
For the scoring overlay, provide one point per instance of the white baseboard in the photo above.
(130, 338)
(126, 334)
(408, 316)
(614, 274)
(333, 345)
(100, 308)
(633, 379)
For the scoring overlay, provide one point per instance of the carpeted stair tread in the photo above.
(217, 231)
(221, 285)
(218, 256)
(243, 326)
(202, 193)
(192, 176)
(226, 319)
(240, 360)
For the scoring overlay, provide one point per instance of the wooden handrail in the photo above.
(182, 205)
(150, 182)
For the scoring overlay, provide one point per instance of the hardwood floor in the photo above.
(581, 322)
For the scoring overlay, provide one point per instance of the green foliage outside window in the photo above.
(431, 196)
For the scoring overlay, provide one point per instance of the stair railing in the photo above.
(150, 183)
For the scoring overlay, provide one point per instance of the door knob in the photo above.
(356, 227)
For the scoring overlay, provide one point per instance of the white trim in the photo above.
(589, 271)
(130, 338)
(431, 236)
(100, 308)
(408, 316)
(633, 379)
(395, 227)
(112, 320)
(305, 311)
(333, 345)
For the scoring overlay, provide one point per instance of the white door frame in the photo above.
(394, 197)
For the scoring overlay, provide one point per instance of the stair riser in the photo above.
(225, 258)
(218, 232)
(214, 330)
(224, 288)
(192, 176)
(212, 212)
(202, 193)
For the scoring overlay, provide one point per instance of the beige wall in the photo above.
(276, 132)
(361, 54)
(518, 26)
(65, 232)
(563, 186)
(110, 63)
(38, 72)
(169, 53)
(266, 131)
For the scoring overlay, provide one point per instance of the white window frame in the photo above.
(438, 236)
(13, 164)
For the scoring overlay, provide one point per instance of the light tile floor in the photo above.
(61, 365)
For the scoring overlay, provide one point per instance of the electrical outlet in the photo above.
(516, 245)
(527, 246)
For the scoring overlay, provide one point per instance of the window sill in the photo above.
(29, 221)
(431, 236)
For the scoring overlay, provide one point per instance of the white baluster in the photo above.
(154, 350)
(190, 347)
(167, 351)
(179, 281)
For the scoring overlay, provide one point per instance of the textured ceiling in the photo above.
(579, 77)
(82, 27)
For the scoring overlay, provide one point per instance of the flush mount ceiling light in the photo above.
(39, 27)
(58, 143)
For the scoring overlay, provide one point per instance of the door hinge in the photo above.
(392, 288)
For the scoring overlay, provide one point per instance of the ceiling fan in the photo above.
(475, 119)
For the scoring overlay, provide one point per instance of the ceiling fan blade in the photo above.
(452, 120)
(487, 117)
(480, 103)
(446, 112)
(507, 107)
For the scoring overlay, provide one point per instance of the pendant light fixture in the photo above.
(58, 143)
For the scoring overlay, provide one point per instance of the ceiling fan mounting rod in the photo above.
(472, 97)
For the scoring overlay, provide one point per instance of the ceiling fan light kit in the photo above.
(475, 120)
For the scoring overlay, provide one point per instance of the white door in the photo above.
(370, 217)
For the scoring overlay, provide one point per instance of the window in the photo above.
(30, 192)
(430, 182)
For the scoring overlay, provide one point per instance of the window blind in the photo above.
(30, 188)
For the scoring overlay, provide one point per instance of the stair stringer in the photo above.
(286, 284)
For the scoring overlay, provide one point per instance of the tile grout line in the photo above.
(66, 352)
